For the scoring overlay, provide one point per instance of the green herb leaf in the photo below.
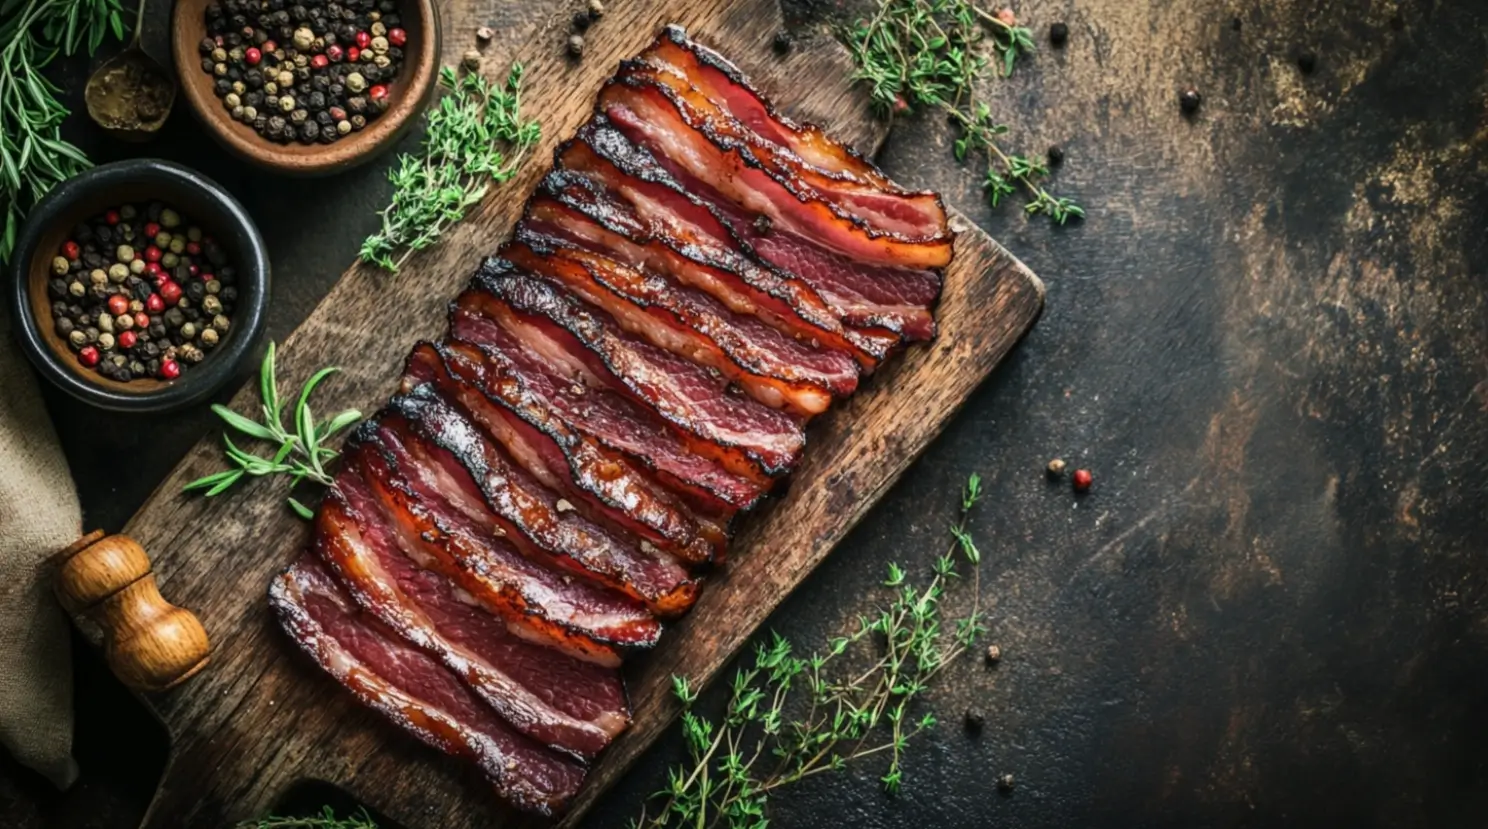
(301, 455)
(475, 137)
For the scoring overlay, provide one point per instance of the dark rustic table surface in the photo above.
(1269, 341)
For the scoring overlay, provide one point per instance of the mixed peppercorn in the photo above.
(312, 71)
(141, 293)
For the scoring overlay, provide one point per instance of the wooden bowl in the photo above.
(409, 92)
(85, 196)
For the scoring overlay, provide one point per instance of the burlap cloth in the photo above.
(39, 515)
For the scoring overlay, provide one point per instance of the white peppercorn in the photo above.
(60, 265)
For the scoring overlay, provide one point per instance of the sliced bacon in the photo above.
(528, 514)
(748, 438)
(574, 706)
(723, 83)
(776, 370)
(912, 216)
(611, 419)
(533, 435)
(537, 603)
(648, 220)
(650, 119)
(417, 693)
(863, 295)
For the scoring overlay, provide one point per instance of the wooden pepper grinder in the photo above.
(149, 643)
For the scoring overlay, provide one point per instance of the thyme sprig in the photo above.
(792, 717)
(475, 137)
(325, 820)
(302, 453)
(932, 53)
(33, 156)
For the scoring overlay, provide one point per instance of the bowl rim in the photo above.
(421, 76)
(194, 385)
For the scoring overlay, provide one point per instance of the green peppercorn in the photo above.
(127, 212)
(188, 330)
(379, 29)
(59, 265)
(285, 79)
(209, 338)
(77, 339)
(286, 103)
(211, 305)
(355, 82)
(380, 46)
(214, 286)
(169, 260)
(118, 272)
(303, 38)
(98, 276)
(106, 323)
(178, 246)
(137, 267)
(163, 239)
(220, 70)
(239, 88)
(193, 234)
(124, 322)
(232, 101)
(343, 127)
(221, 323)
(249, 114)
(105, 340)
(77, 289)
(219, 55)
(124, 253)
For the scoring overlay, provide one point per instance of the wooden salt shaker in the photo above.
(149, 643)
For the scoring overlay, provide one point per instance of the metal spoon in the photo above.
(131, 94)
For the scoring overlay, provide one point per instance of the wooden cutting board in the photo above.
(261, 718)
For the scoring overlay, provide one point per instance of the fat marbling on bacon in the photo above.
(694, 281)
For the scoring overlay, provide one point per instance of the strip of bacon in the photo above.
(749, 439)
(538, 604)
(776, 370)
(573, 706)
(603, 483)
(911, 216)
(722, 82)
(652, 121)
(863, 296)
(612, 420)
(417, 693)
(529, 516)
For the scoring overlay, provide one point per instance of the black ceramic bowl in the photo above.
(136, 181)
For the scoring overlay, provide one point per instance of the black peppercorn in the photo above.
(1058, 35)
(1189, 99)
(581, 21)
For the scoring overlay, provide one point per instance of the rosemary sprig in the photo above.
(33, 156)
(930, 53)
(325, 820)
(792, 717)
(475, 137)
(301, 453)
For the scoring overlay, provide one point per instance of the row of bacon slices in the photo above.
(695, 279)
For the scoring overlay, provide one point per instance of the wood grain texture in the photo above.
(262, 718)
